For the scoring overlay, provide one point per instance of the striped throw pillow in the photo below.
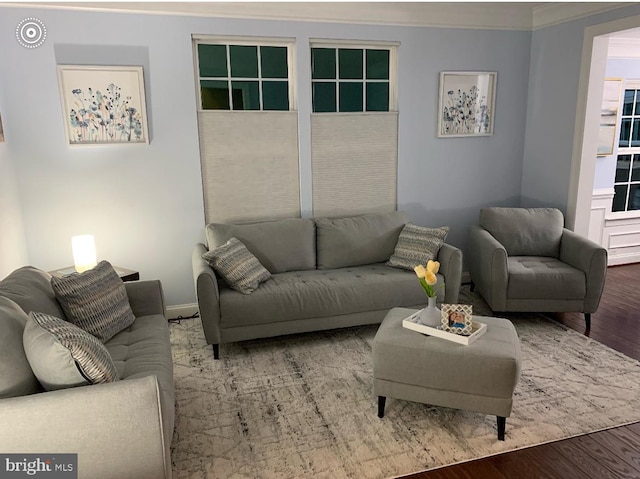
(62, 355)
(95, 300)
(417, 245)
(238, 266)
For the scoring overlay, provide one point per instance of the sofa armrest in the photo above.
(207, 294)
(487, 261)
(115, 428)
(146, 297)
(590, 258)
(450, 259)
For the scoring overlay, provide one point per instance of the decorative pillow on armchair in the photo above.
(95, 300)
(238, 266)
(417, 245)
(62, 355)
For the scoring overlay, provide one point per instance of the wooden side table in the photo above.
(125, 274)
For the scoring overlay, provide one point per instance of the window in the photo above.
(630, 125)
(352, 79)
(627, 183)
(244, 76)
(627, 179)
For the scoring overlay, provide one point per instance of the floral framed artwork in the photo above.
(457, 318)
(609, 115)
(466, 104)
(103, 105)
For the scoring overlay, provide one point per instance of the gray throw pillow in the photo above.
(95, 300)
(417, 245)
(62, 355)
(238, 266)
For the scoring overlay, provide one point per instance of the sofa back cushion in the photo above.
(525, 231)
(16, 376)
(357, 240)
(31, 289)
(279, 245)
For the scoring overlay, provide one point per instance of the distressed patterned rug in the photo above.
(303, 405)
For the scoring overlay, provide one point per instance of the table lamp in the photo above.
(84, 252)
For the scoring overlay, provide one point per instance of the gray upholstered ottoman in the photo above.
(479, 377)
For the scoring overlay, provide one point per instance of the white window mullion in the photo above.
(364, 79)
(337, 79)
(260, 101)
(228, 51)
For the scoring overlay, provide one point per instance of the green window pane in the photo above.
(635, 133)
(625, 132)
(350, 96)
(627, 106)
(244, 61)
(378, 96)
(273, 61)
(324, 97)
(620, 198)
(215, 94)
(634, 198)
(350, 63)
(635, 171)
(377, 64)
(212, 60)
(246, 95)
(323, 63)
(275, 95)
(623, 165)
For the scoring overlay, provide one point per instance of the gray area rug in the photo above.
(303, 405)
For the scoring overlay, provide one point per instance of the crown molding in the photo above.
(548, 14)
(624, 48)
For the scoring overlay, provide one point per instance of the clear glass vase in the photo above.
(430, 316)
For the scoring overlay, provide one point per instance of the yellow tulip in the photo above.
(433, 266)
(431, 278)
(420, 271)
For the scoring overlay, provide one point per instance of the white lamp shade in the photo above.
(84, 252)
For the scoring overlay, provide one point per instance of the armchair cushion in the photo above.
(525, 231)
(541, 277)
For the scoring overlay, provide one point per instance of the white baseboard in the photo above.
(182, 310)
(623, 259)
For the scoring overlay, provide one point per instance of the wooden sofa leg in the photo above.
(502, 425)
(472, 286)
(216, 351)
(381, 402)
(587, 320)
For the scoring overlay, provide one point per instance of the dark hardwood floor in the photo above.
(614, 453)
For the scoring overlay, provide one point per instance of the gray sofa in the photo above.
(326, 273)
(119, 429)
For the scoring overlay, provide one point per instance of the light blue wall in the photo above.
(556, 53)
(625, 68)
(144, 203)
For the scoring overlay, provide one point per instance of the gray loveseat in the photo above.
(120, 429)
(326, 273)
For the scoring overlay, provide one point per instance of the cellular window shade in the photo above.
(354, 163)
(249, 165)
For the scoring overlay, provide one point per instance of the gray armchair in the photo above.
(523, 259)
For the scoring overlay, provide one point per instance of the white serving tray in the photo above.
(411, 323)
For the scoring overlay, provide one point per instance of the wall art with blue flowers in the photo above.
(467, 104)
(103, 104)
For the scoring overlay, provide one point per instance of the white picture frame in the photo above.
(103, 105)
(457, 318)
(466, 105)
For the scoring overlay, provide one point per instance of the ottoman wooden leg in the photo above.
(502, 425)
(381, 402)
(216, 351)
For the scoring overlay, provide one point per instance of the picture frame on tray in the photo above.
(457, 318)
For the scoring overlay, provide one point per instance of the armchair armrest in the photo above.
(115, 428)
(207, 294)
(146, 297)
(590, 258)
(450, 259)
(488, 267)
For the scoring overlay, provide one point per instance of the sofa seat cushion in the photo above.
(144, 349)
(31, 289)
(542, 277)
(315, 294)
